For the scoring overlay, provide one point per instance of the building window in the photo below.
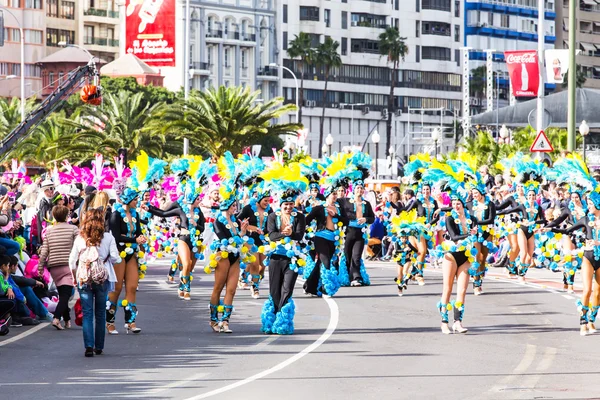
(491, 19)
(209, 55)
(33, 37)
(244, 59)
(457, 33)
(67, 36)
(344, 46)
(436, 28)
(457, 8)
(37, 4)
(285, 14)
(364, 46)
(67, 9)
(368, 20)
(210, 24)
(505, 21)
(418, 53)
(61, 76)
(226, 53)
(327, 17)
(88, 34)
(441, 5)
(309, 13)
(436, 53)
(51, 37)
(418, 6)
(418, 29)
(15, 4)
(52, 8)
(51, 79)
(285, 40)
(344, 19)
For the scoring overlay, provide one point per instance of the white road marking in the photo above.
(526, 361)
(566, 296)
(333, 322)
(24, 334)
(545, 364)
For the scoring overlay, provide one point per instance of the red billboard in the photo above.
(524, 71)
(150, 31)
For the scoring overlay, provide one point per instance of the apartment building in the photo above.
(588, 37)
(502, 25)
(427, 92)
(30, 15)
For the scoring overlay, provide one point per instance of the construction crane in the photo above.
(90, 94)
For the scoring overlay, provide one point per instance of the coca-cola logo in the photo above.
(525, 58)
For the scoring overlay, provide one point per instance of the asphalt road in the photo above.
(365, 343)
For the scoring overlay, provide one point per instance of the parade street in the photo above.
(365, 343)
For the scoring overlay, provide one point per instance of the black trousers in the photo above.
(353, 249)
(281, 280)
(6, 306)
(324, 249)
(62, 308)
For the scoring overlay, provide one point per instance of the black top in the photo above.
(319, 213)
(248, 213)
(520, 208)
(298, 228)
(348, 210)
(222, 231)
(118, 228)
(43, 214)
(565, 215)
(422, 211)
(454, 229)
(583, 223)
(489, 214)
(175, 210)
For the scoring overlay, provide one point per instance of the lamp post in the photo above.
(324, 149)
(375, 138)
(352, 119)
(329, 142)
(504, 133)
(392, 157)
(275, 65)
(584, 129)
(435, 135)
(22, 61)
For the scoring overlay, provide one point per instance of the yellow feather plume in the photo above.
(468, 159)
(142, 164)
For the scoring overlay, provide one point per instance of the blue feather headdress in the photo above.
(146, 172)
(229, 180)
(199, 173)
(413, 171)
(571, 170)
(529, 173)
(249, 169)
(448, 178)
(286, 180)
(312, 170)
(362, 162)
(339, 172)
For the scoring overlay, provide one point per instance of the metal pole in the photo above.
(122, 28)
(497, 101)
(436, 148)
(329, 149)
(296, 83)
(584, 159)
(571, 132)
(186, 67)
(352, 125)
(541, 33)
(376, 158)
(21, 32)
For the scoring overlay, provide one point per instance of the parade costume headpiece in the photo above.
(449, 178)
(339, 173)
(199, 173)
(250, 169)
(229, 180)
(312, 170)
(473, 179)
(146, 172)
(408, 223)
(362, 162)
(414, 170)
(128, 195)
(287, 180)
(529, 173)
(571, 170)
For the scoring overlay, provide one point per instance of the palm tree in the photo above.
(392, 45)
(580, 78)
(121, 122)
(328, 57)
(10, 113)
(301, 47)
(224, 119)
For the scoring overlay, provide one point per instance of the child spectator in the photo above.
(26, 286)
(7, 296)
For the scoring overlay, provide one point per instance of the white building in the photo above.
(429, 77)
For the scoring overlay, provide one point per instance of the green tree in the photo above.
(121, 122)
(486, 149)
(580, 78)
(223, 119)
(10, 113)
(477, 82)
(301, 47)
(327, 57)
(392, 45)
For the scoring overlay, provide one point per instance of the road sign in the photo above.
(541, 144)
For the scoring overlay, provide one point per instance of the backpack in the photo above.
(90, 269)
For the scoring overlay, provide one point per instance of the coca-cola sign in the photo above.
(524, 71)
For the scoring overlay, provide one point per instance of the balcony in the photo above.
(199, 65)
(91, 40)
(267, 74)
(96, 12)
(214, 33)
(248, 37)
(113, 42)
(113, 14)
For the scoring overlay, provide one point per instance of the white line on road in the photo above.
(566, 296)
(526, 361)
(333, 321)
(24, 334)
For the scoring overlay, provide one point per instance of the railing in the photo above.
(95, 11)
(113, 14)
(437, 33)
(113, 42)
(95, 40)
(366, 24)
(248, 37)
(199, 65)
(267, 71)
(515, 3)
(214, 33)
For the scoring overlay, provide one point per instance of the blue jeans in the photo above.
(93, 304)
(11, 246)
(33, 302)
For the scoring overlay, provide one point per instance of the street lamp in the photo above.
(352, 119)
(275, 65)
(375, 138)
(324, 149)
(329, 142)
(22, 62)
(584, 129)
(436, 135)
(504, 132)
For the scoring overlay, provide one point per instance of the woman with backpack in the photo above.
(54, 254)
(94, 253)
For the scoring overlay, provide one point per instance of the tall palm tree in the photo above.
(328, 57)
(224, 119)
(301, 47)
(121, 122)
(392, 45)
(10, 113)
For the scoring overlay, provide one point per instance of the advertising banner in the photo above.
(524, 72)
(557, 65)
(150, 31)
